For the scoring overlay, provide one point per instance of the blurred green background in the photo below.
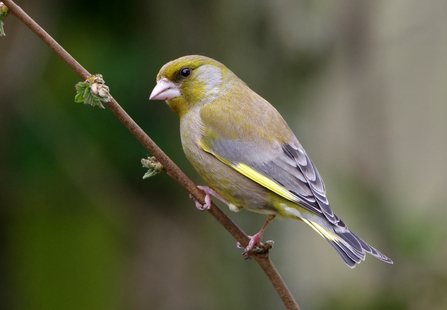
(363, 84)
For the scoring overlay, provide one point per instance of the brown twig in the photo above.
(171, 168)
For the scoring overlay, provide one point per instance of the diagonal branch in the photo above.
(171, 168)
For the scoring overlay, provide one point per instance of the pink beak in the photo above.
(165, 90)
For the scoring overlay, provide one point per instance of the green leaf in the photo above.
(80, 89)
(4, 11)
(153, 165)
(93, 91)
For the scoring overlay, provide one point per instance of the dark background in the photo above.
(362, 84)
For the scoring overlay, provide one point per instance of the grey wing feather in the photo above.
(314, 180)
(288, 165)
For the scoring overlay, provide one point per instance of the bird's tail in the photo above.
(350, 247)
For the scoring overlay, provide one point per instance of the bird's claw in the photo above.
(201, 207)
(255, 248)
(209, 192)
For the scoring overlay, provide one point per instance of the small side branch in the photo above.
(171, 168)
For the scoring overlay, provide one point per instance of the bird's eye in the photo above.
(185, 72)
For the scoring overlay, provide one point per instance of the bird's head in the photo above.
(191, 81)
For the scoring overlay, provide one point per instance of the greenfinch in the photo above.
(242, 147)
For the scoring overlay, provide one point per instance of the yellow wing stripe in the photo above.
(321, 231)
(324, 233)
(255, 176)
(265, 181)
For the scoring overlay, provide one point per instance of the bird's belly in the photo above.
(230, 184)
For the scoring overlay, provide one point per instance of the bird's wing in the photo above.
(282, 167)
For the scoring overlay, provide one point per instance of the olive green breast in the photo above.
(230, 184)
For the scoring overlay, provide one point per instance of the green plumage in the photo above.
(243, 148)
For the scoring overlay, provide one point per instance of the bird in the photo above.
(248, 155)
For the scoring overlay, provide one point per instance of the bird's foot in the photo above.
(209, 191)
(254, 247)
(255, 240)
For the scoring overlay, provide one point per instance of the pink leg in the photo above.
(256, 239)
(209, 191)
